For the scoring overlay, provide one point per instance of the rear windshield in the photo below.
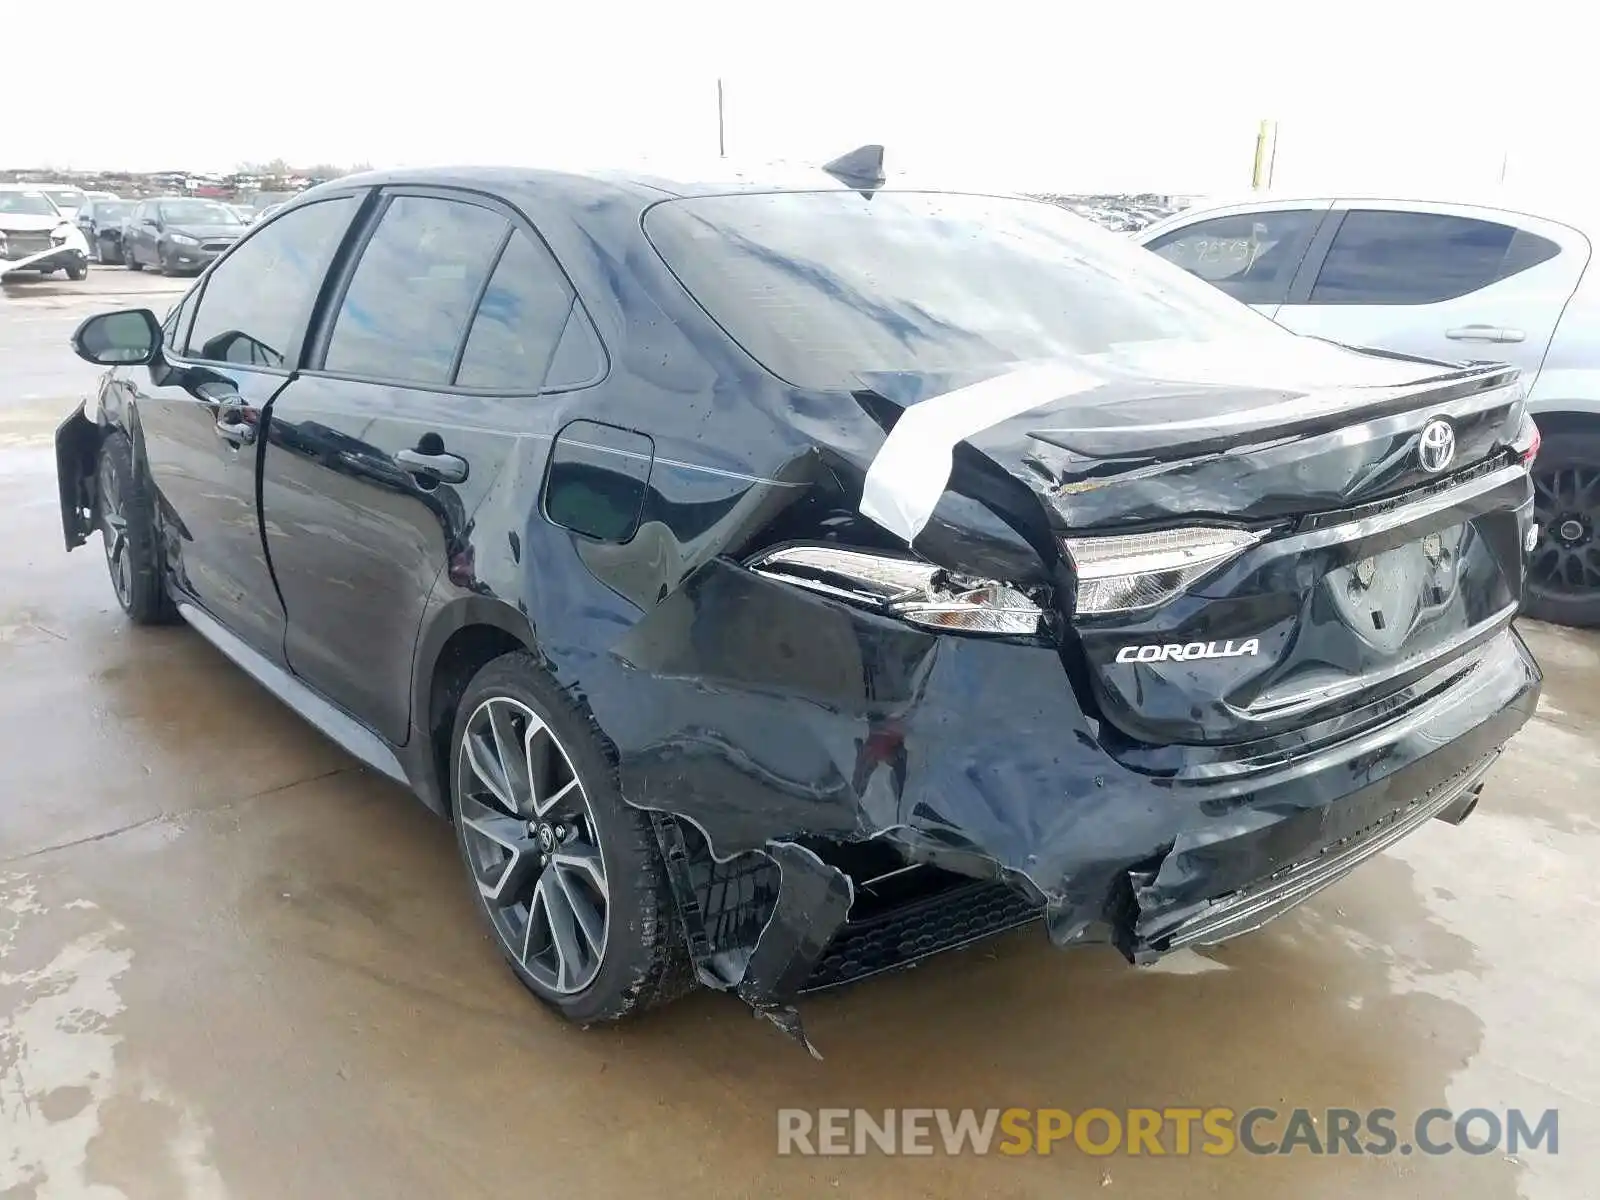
(818, 286)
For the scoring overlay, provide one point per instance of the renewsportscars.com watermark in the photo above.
(1164, 1131)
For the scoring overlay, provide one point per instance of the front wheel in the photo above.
(130, 258)
(132, 541)
(77, 274)
(567, 875)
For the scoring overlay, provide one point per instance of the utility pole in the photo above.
(722, 138)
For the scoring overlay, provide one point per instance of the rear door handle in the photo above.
(1484, 333)
(447, 468)
(237, 431)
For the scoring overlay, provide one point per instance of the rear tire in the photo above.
(130, 259)
(631, 959)
(1563, 582)
(132, 541)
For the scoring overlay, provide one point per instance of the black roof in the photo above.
(646, 183)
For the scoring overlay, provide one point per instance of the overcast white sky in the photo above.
(1064, 96)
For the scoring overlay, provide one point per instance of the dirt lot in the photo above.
(234, 963)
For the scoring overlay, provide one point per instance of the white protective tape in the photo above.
(912, 468)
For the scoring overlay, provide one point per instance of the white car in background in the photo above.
(36, 237)
(65, 197)
(1449, 281)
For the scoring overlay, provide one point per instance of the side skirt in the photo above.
(335, 724)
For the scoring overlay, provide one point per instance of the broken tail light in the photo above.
(1119, 573)
(1528, 441)
(907, 588)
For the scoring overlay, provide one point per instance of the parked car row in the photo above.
(174, 234)
(1448, 281)
(46, 228)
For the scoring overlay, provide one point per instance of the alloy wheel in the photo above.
(532, 846)
(1566, 558)
(114, 531)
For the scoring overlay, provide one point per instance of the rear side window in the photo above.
(529, 333)
(256, 301)
(409, 301)
(1383, 257)
(1251, 256)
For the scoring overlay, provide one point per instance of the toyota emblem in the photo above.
(1436, 449)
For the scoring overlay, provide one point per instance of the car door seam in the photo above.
(263, 436)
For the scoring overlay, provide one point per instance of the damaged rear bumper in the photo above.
(1292, 838)
(839, 794)
(1251, 907)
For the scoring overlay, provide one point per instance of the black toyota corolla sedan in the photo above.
(778, 578)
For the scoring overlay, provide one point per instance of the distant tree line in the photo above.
(279, 168)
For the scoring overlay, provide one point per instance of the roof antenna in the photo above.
(861, 169)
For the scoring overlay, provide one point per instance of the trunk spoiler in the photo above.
(913, 467)
(1300, 416)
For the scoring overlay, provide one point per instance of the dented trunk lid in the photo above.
(1373, 569)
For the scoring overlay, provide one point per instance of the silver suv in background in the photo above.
(1449, 281)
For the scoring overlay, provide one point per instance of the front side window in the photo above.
(821, 286)
(1384, 257)
(528, 311)
(411, 296)
(1250, 256)
(256, 302)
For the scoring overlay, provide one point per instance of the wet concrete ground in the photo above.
(234, 963)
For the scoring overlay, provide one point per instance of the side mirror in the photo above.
(113, 339)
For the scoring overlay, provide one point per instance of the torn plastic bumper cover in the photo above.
(781, 723)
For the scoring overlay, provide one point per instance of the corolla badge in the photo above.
(1176, 652)
(1436, 449)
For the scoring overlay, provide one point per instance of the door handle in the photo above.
(240, 433)
(446, 468)
(1484, 333)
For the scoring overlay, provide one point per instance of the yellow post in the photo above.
(1258, 174)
